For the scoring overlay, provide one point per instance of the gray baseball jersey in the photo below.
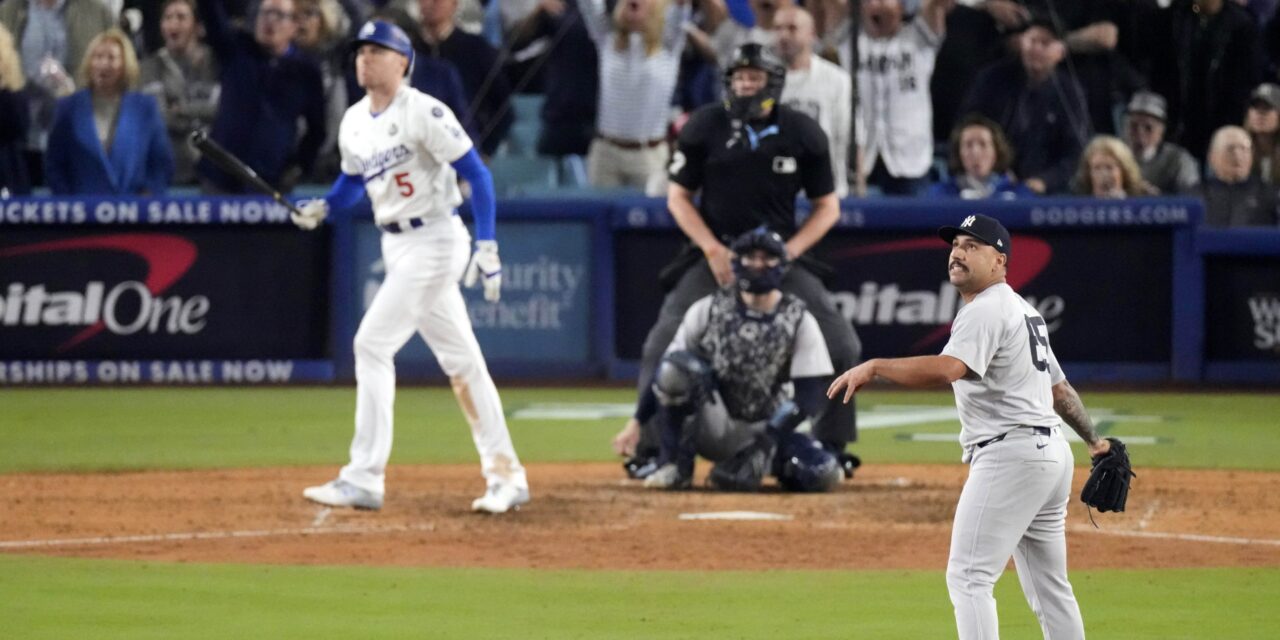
(1004, 342)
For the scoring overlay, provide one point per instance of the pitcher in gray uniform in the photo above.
(1010, 393)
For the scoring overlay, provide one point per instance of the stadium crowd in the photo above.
(956, 98)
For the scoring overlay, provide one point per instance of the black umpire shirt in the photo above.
(750, 175)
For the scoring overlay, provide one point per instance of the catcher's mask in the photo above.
(754, 279)
(759, 104)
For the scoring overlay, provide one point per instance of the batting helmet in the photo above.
(386, 35)
(757, 105)
(759, 280)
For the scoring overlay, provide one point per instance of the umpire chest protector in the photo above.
(750, 352)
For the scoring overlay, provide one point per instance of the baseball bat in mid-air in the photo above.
(236, 167)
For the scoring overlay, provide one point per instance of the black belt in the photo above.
(403, 225)
(1040, 431)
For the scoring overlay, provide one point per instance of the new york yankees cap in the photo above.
(984, 228)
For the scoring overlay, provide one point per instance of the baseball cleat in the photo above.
(340, 493)
(668, 477)
(501, 498)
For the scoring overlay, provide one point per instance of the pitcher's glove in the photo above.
(1108, 485)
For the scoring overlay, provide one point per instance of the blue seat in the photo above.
(518, 175)
(527, 107)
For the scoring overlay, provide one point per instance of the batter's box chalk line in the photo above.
(735, 515)
(214, 535)
(1190, 537)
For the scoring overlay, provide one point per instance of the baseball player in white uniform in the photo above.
(405, 149)
(1010, 393)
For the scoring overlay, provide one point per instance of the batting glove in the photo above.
(484, 262)
(310, 214)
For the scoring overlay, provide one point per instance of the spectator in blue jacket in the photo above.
(267, 85)
(106, 138)
(979, 161)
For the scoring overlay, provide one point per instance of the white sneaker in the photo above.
(501, 498)
(340, 493)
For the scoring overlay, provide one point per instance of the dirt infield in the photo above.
(587, 516)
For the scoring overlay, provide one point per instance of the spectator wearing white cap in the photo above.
(1165, 165)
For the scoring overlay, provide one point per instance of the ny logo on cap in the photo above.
(968, 222)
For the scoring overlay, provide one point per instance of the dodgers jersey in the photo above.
(403, 154)
(1005, 343)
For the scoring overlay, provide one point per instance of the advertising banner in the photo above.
(217, 295)
(544, 314)
(1243, 322)
(1105, 295)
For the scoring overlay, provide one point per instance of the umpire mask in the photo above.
(758, 105)
(759, 280)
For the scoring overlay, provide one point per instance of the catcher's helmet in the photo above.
(756, 106)
(386, 35)
(759, 280)
(803, 465)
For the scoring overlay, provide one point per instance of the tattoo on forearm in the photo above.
(1071, 410)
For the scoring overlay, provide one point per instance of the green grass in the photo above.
(176, 428)
(113, 599)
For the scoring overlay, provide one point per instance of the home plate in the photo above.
(734, 515)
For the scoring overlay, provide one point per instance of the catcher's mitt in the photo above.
(1108, 485)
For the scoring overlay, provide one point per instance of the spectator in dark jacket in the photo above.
(1233, 197)
(1165, 165)
(1206, 66)
(488, 92)
(183, 77)
(571, 77)
(106, 138)
(267, 85)
(1262, 121)
(14, 180)
(1040, 107)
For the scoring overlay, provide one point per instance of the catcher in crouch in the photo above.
(747, 366)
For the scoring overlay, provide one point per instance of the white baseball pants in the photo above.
(420, 292)
(1014, 503)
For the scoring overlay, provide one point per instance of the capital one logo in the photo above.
(889, 304)
(124, 308)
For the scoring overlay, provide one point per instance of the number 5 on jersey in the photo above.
(402, 181)
(1036, 332)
